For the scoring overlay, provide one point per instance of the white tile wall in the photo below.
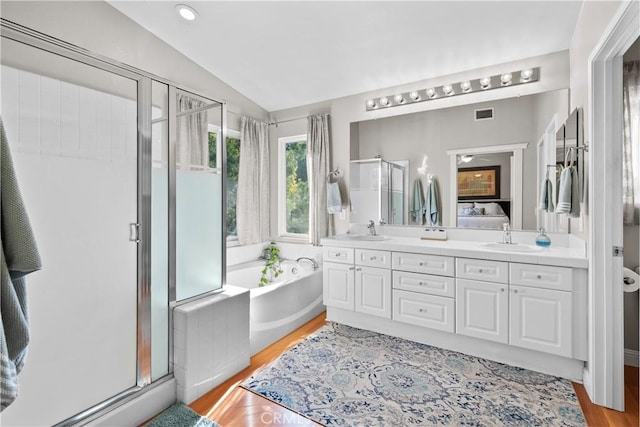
(211, 341)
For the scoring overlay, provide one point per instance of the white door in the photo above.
(373, 291)
(541, 320)
(482, 310)
(338, 285)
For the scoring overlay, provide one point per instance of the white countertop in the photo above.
(558, 256)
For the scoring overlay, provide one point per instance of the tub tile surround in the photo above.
(211, 341)
(524, 309)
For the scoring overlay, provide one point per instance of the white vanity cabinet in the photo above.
(504, 308)
(358, 280)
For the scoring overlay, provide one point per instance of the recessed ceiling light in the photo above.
(186, 12)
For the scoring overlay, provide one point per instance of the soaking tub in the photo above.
(294, 298)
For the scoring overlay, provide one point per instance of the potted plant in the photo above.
(271, 268)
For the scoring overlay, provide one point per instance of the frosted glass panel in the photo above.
(199, 242)
(72, 131)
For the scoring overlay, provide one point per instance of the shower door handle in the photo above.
(134, 232)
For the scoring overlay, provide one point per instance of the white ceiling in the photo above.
(292, 53)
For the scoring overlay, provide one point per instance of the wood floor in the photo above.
(232, 406)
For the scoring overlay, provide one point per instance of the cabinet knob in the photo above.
(338, 254)
(421, 263)
(358, 269)
(515, 291)
(352, 268)
(501, 289)
(422, 310)
(479, 270)
(421, 283)
(372, 258)
(539, 276)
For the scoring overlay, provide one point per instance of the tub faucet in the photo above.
(314, 263)
(506, 234)
(372, 227)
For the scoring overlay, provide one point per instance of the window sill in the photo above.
(293, 239)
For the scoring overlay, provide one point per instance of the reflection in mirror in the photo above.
(378, 191)
(432, 133)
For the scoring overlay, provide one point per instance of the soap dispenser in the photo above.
(542, 239)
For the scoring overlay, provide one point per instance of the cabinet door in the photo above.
(338, 285)
(541, 320)
(482, 310)
(373, 291)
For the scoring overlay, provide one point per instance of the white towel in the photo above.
(568, 193)
(334, 199)
(546, 196)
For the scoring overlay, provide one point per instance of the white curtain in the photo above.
(317, 171)
(252, 205)
(631, 146)
(193, 146)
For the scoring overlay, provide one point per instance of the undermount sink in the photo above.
(367, 237)
(511, 247)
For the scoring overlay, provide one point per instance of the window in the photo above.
(293, 187)
(233, 163)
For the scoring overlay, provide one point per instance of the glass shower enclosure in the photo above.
(377, 191)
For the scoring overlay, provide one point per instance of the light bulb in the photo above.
(525, 75)
(414, 95)
(384, 101)
(399, 99)
(371, 103)
(485, 82)
(465, 86)
(431, 92)
(448, 90)
(187, 12)
(505, 79)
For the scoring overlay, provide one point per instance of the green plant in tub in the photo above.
(271, 265)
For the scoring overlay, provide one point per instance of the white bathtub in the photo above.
(278, 308)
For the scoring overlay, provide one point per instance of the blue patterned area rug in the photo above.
(343, 376)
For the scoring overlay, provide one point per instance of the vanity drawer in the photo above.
(424, 310)
(424, 283)
(542, 276)
(419, 263)
(373, 258)
(343, 255)
(482, 269)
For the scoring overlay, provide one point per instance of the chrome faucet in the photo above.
(372, 227)
(506, 234)
(314, 263)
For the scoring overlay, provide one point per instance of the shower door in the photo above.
(73, 134)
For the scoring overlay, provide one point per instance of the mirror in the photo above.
(490, 146)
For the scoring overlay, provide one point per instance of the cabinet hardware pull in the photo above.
(373, 258)
(352, 268)
(358, 269)
(539, 276)
(422, 310)
(421, 283)
(338, 254)
(479, 270)
(515, 291)
(501, 289)
(421, 263)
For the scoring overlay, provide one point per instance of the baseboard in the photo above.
(631, 357)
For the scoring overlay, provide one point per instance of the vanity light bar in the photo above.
(497, 81)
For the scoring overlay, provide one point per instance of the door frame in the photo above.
(604, 372)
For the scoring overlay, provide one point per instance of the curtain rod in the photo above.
(276, 122)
